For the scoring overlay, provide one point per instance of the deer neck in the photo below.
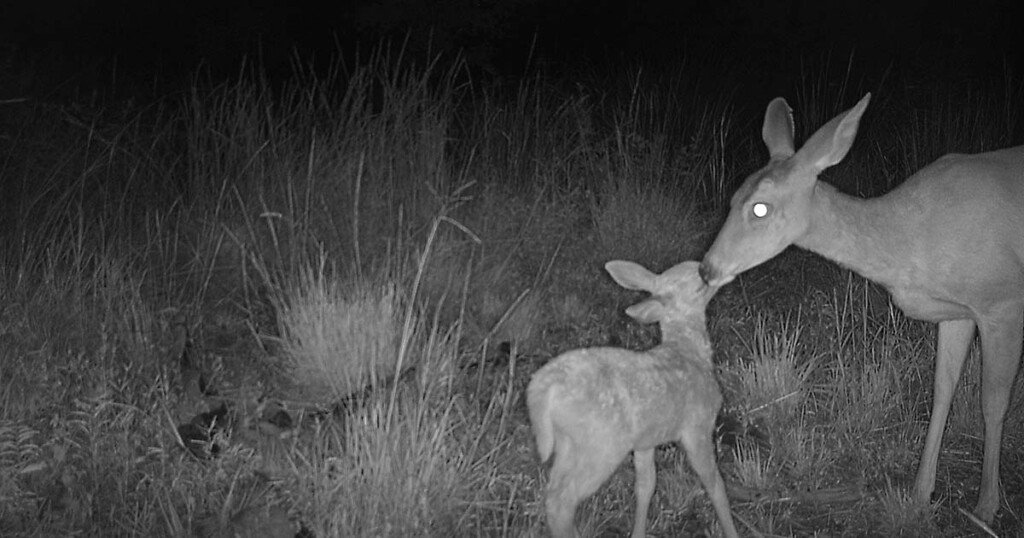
(864, 235)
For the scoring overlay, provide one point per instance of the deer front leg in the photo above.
(1001, 341)
(954, 340)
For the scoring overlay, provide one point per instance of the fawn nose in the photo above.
(705, 272)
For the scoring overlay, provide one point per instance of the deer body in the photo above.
(917, 241)
(948, 244)
(590, 407)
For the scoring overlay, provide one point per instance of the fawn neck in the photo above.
(868, 236)
(687, 336)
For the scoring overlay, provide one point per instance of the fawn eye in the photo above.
(760, 209)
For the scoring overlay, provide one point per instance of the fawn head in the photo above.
(772, 209)
(677, 293)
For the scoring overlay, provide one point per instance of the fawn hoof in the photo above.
(985, 512)
(924, 498)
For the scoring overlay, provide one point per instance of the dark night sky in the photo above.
(155, 34)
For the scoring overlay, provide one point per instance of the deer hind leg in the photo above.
(646, 476)
(954, 341)
(701, 453)
(579, 469)
(1001, 341)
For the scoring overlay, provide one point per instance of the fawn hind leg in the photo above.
(1001, 342)
(955, 338)
(579, 469)
(646, 476)
(701, 453)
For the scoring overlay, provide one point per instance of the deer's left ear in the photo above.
(830, 144)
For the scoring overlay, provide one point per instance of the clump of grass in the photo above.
(773, 383)
(402, 462)
(678, 487)
(753, 468)
(340, 337)
(807, 449)
(866, 399)
(901, 515)
(19, 455)
(387, 478)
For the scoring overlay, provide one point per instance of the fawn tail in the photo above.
(538, 399)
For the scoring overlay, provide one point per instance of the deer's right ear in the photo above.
(778, 129)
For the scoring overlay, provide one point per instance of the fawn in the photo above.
(592, 406)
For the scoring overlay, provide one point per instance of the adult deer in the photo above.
(948, 244)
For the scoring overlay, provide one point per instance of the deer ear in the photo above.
(829, 144)
(631, 276)
(649, 311)
(777, 131)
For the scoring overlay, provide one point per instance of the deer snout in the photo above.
(713, 276)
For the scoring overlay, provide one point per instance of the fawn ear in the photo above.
(829, 144)
(631, 276)
(649, 311)
(777, 131)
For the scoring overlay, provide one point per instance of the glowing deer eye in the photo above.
(760, 209)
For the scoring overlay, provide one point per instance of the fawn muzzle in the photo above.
(705, 272)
